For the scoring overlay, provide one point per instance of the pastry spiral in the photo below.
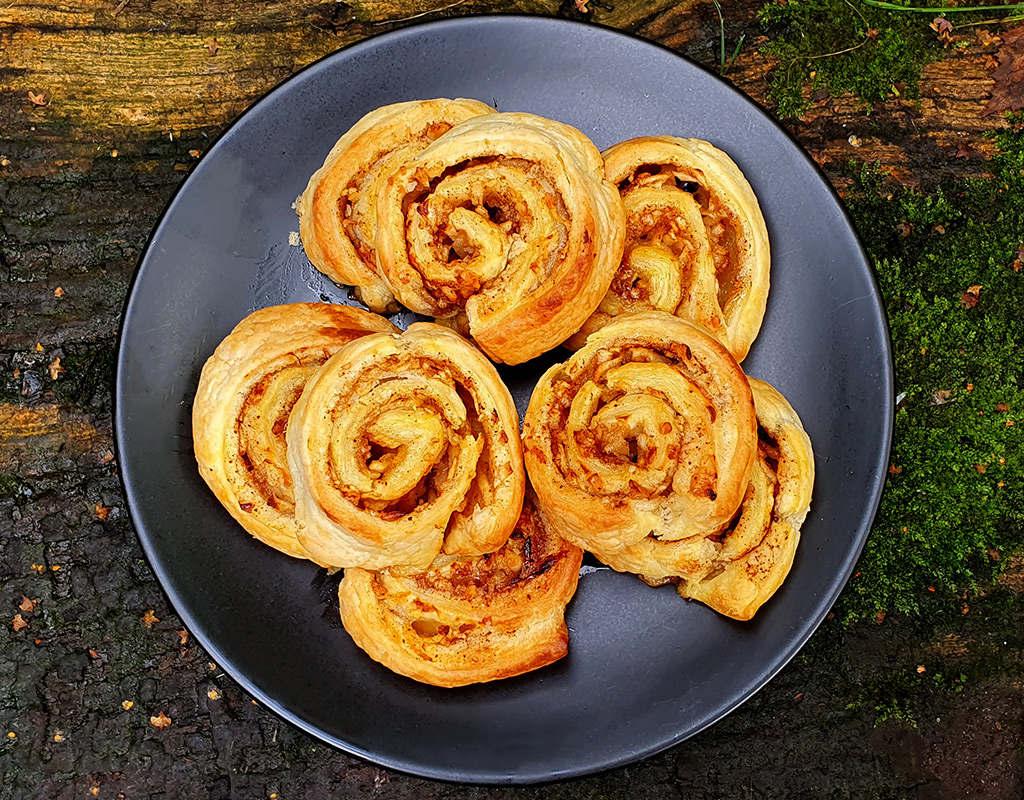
(469, 619)
(337, 217)
(649, 430)
(696, 242)
(246, 391)
(403, 446)
(756, 550)
(508, 219)
(746, 560)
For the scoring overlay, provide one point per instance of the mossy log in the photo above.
(104, 107)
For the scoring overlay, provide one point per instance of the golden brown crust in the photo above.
(507, 218)
(648, 430)
(337, 217)
(246, 391)
(758, 550)
(469, 619)
(402, 445)
(742, 564)
(696, 242)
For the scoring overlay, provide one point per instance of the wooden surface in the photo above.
(128, 95)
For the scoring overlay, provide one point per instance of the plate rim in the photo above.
(407, 766)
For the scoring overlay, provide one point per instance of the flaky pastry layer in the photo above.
(337, 211)
(404, 445)
(507, 219)
(469, 619)
(745, 561)
(696, 241)
(758, 549)
(246, 392)
(647, 430)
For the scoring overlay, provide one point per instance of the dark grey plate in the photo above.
(646, 669)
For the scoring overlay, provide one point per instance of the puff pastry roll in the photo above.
(757, 548)
(246, 392)
(469, 619)
(404, 446)
(337, 219)
(696, 242)
(507, 218)
(649, 430)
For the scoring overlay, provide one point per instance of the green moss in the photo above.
(953, 509)
(825, 44)
(10, 485)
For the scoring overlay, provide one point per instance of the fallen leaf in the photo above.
(58, 736)
(149, 618)
(26, 604)
(19, 622)
(920, 668)
(93, 653)
(213, 47)
(939, 229)
(107, 457)
(906, 228)
(879, 617)
(39, 347)
(213, 694)
(1008, 90)
(56, 370)
(999, 407)
(160, 721)
(894, 470)
(581, 6)
(943, 29)
(101, 511)
(1017, 264)
(127, 704)
(872, 33)
(822, 158)
(59, 292)
(964, 608)
(182, 636)
(194, 153)
(963, 150)
(37, 99)
(854, 140)
(941, 396)
(985, 37)
(989, 61)
(970, 297)
(981, 468)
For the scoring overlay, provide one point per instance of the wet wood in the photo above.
(128, 96)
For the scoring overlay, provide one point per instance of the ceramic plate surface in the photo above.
(646, 669)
